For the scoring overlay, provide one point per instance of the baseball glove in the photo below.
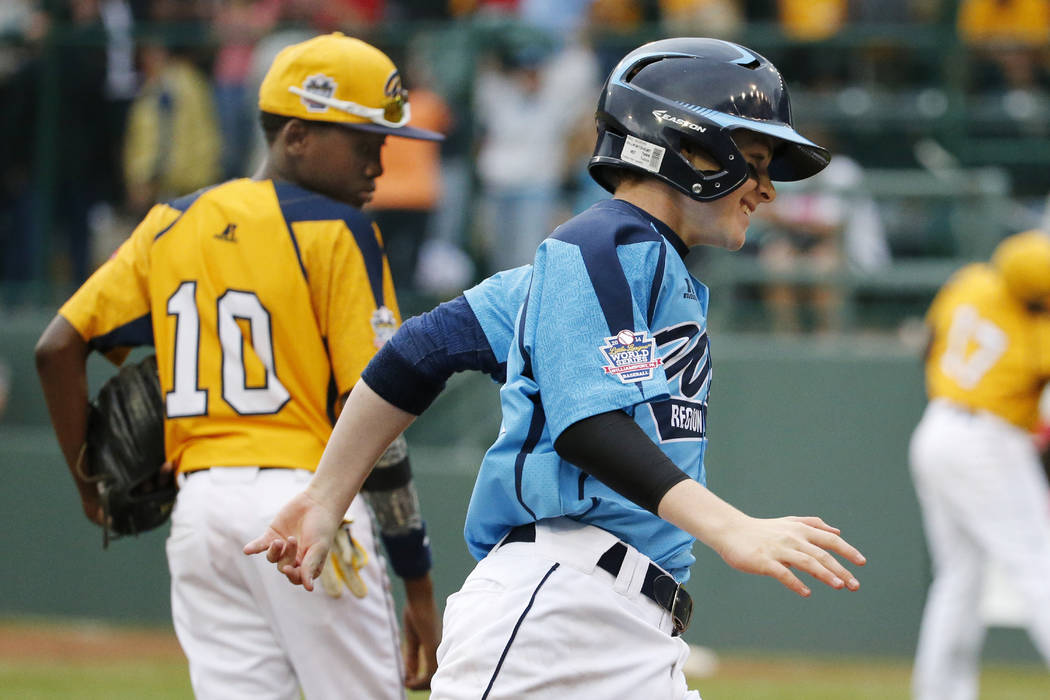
(124, 451)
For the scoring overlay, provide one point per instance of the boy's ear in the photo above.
(295, 134)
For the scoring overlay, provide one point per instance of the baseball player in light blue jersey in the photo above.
(628, 334)
(587, 505)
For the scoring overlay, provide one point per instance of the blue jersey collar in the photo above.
(660, 227)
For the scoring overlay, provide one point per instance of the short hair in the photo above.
(272, 125)
(618, 176)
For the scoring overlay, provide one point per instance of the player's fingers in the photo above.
(789, 580)
(289, 555)
(814, 521)
(834, 543)
(261, 543)
(822, 566)
(312, 563)
(294, 575)
(419, 682)
(411, 655)
(275, 551)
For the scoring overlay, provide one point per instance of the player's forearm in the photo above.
(692, 507)
(391, 493)
(60, 362)
(365, 428)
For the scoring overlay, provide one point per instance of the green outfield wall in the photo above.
(796, 427)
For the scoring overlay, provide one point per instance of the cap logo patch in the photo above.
(320, 85)
(632, 356)
(393, 85)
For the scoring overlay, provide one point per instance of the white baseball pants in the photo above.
(984, 497)
(539, 620)
(246, 631)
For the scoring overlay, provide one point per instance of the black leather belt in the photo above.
(658, 586)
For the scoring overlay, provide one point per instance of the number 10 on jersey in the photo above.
(188, 398)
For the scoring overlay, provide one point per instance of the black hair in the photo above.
(272, 125)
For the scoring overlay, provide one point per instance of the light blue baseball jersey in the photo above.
(495, 303)
(613, 321)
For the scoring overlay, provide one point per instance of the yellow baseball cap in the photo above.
(1023, 259)
(339, 79)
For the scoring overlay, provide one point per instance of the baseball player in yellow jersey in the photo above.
(977, 473)
(265, 298)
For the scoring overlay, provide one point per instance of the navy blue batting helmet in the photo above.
(690, 91)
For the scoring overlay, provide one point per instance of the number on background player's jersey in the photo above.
(974, 345)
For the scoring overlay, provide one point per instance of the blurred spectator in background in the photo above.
(238, 25)
(60, 89)
(22, 28)
(449, 53)
(172, 145)
(295, 23)
(410, 187)
(564, 19)
(525, 104)
(807, 23)
(813, 234)
(1009, 39)
(812, 20)
(354, 17)
(614, 26)
(722, 19)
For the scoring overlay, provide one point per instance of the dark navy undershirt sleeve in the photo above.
(613, 449)
(411, 369)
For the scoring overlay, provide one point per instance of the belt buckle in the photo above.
(680, 618)
(678, 603)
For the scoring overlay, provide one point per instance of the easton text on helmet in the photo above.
(662, 115)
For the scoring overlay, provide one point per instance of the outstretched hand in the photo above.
(298, 539)
(775, 546)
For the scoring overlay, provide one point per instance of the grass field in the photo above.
(87, 662)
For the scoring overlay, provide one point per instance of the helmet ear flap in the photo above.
(668, 163)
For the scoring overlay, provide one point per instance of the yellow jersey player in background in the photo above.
(264, 299)
(976, 469)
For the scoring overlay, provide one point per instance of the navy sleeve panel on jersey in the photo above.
(526, 370)
(298, 204)
(181, 205)
(603, 264)
(654, 292)
(133, 334)
(537, 424)
(411, 369)
(186, 201)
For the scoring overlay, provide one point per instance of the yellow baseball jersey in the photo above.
(264, 301)
(988, 351)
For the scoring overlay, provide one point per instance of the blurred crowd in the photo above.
(112, 105)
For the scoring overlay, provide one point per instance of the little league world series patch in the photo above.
(632, 356)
